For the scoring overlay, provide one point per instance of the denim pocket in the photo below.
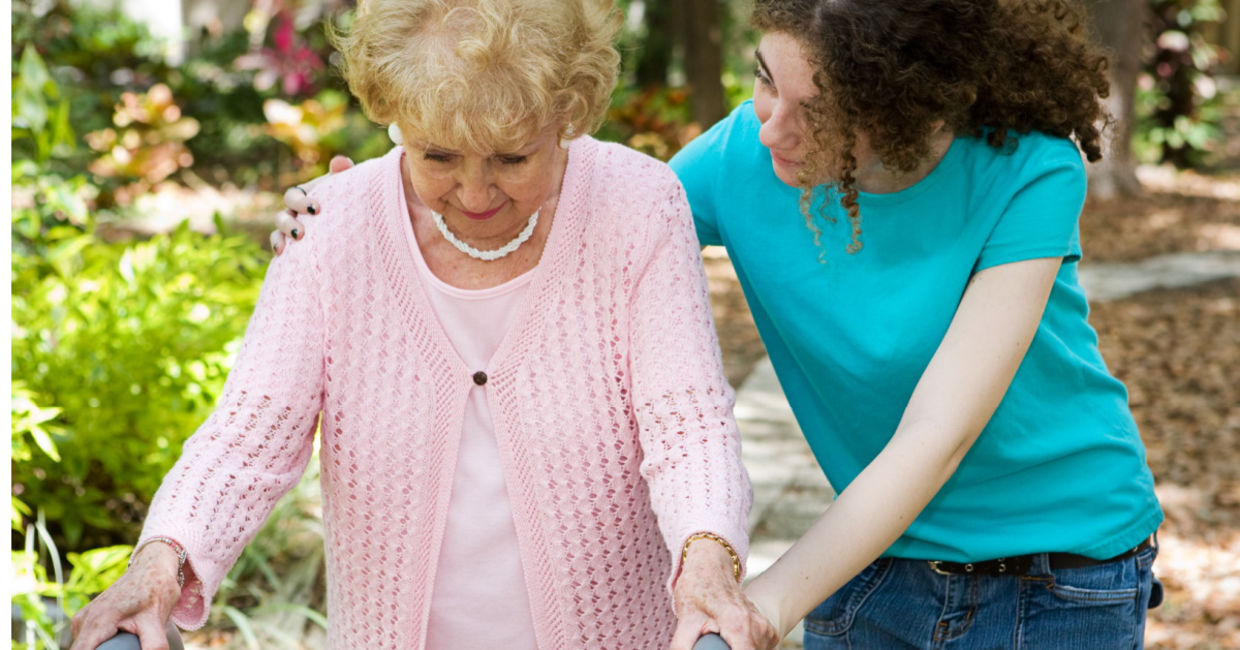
(835, 615)
(1096, 607)
(1112, 582)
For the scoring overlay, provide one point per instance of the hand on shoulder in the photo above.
(297, 202)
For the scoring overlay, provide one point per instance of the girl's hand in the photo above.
(297, 201)
(709, 599)
(140, 602)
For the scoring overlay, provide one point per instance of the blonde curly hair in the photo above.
(482, 75)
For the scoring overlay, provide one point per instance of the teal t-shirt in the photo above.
(1060, 466)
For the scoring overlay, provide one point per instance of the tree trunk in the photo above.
(1119, 25)
(655, 57)
(703, 56)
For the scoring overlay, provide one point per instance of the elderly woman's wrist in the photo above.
(160, 559)
(710, 551)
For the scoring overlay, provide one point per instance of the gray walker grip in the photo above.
(127, 641)
(711, 642)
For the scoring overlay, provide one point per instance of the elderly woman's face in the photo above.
(484, 194)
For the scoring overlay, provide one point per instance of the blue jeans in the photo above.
(897, 603)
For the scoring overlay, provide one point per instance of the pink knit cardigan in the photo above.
(611, 413)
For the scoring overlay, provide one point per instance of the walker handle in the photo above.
(127, 641)
(711, 641)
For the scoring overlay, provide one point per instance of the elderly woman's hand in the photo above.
(709, 599)
(298, 202)
(140, 602)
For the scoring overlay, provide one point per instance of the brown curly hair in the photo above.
(893, 68)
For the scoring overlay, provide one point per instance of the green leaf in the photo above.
(96, 569)
(33, 71)
(244, 627)
(45, 443)
(18, 510)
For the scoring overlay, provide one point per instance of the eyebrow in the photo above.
(762, 64)
(430, 146)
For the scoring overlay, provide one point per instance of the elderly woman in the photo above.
(526, 435)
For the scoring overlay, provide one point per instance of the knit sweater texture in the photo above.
(611, 412)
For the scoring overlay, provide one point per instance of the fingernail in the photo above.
(312, 209)
(296, 234)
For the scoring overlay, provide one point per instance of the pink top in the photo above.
(479, 565)
(610, 410)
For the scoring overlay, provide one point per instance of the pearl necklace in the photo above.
(490, 255)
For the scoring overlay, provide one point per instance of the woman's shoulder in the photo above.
(361, 180)
(629, 196)
(349, 199)
(615, 179)
(622, 169)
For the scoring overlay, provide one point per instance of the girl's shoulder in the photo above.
(1021, 150)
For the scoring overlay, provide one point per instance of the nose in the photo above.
(781, 129)
(474, 186)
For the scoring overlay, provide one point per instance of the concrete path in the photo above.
(790, 491)
(1115, 281)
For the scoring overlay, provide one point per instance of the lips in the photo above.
(482, 216)
(784, 162)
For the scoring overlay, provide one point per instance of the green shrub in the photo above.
(118, 349)
(131, 342)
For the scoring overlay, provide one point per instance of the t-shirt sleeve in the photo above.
(698, 166)
(1041, 219)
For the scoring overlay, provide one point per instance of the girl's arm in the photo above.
(952, 402)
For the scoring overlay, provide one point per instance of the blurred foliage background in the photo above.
(142, 184)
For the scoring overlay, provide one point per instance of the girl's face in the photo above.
(783, 83)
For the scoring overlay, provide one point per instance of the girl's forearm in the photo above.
(864, 521)
(953, 401)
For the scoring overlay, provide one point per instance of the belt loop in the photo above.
(1041, 565)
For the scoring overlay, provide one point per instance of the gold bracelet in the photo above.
(736, 559)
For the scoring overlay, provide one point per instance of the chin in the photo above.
(788, 177)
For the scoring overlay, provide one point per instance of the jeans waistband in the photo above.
(1021, 565)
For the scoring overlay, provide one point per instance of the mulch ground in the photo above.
(1178, 351)
(1178, 213)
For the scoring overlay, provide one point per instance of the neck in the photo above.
(877, 179)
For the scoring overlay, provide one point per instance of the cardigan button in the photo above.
(480, 378)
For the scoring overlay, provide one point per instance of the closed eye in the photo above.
(436, 156)
(760, 76)
(761, 73)
(513, 159)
